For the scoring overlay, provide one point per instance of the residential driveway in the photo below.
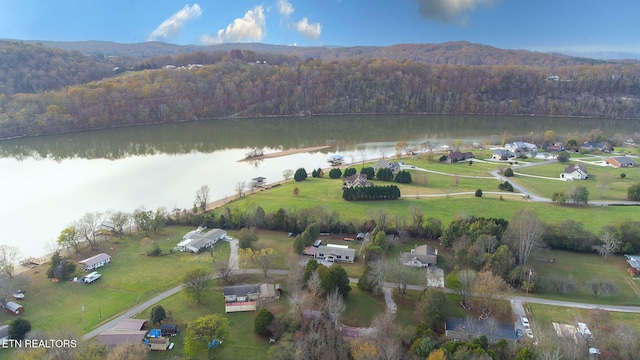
(233, 256)
(388, 298)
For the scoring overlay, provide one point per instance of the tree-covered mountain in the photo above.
(246, 83)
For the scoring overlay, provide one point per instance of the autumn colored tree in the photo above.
(202, 331)
(362, 349)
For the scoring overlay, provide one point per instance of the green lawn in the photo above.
(616, 188)
(583, 268)
(362, 307)
(544, 315)
(241, 343)
(130, 278)
(326, 192)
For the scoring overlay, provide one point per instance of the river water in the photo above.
(48, 182)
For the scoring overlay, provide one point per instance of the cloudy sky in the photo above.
(542, 25)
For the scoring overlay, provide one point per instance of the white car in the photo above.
(525, 321)
(529, 333)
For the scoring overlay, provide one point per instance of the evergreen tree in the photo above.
(300, 175)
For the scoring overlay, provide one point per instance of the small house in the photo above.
(357, 180)
(95, 262)
(14, 308)
(555, 147)
(421, 256)
(458, 156)
(575, 172)
(633, 264)
(169, 329)
(335, 253)
(620, 162)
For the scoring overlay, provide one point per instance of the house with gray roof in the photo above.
(420, 256)
(357, 180)
(620, 162)
(575, 172)
(200, 239)
(502, 154)
(335, 253)
(470, 328)
(95, 262)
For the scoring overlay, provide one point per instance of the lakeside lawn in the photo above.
(327, 192)
(131, 278)
(615, 189)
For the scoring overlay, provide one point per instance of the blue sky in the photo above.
(539, 25)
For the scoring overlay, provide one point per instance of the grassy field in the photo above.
(131, 278)
(583, 268)
(616, 188)
(325, 191)
(544, 315)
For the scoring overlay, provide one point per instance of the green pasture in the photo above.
(131, 278)
(326, 192)
(615, 189)
(583, 268)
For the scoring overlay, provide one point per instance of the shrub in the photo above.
(262, 321)
(349, 172)
(563, 156)
(300, 175)
(623, 175)
(633, 192)
(508, 172)
(335, 173)
(479, 193)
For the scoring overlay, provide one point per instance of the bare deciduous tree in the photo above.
(88, 228)
(610, 244)
(334, 303)
(202, 198)
(9, 255)
(489, 288)
(401, 275)
(287, 174)
(524, 234)
(466, 280)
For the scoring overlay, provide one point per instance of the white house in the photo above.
(197, 240)
(575, 172)
(95, 262)
(335, 253)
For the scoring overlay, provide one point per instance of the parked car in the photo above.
(525, 321)
(529, 333)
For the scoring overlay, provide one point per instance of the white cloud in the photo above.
(175, 22)
(447, 11)
(310, 31)
(251, 27)
(285, 8)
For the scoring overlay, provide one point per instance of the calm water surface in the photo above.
(46, 183)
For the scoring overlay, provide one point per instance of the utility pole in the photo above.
(528, 285)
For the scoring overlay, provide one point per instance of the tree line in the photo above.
(234, 87)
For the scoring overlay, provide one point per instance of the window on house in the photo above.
(346, 257)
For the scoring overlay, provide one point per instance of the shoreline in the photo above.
(286, 152)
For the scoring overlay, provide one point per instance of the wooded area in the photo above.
(44, 90)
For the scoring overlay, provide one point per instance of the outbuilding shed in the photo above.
(14, 308)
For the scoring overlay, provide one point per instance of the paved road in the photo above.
(149, 303)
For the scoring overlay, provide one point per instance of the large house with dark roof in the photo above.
(458, 156)
(470, 328)
(199, 239)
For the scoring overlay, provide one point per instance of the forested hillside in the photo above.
(28, 68)
(247, 84)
